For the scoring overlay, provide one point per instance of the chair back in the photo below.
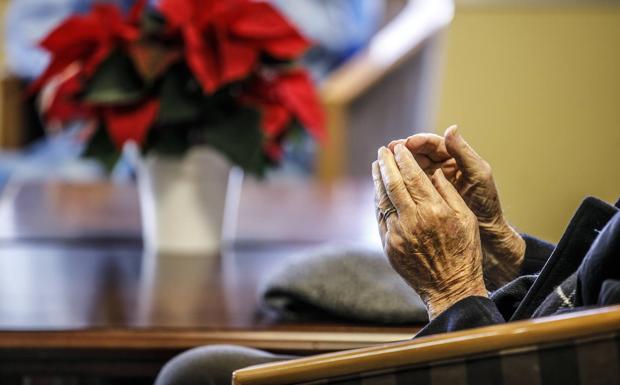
(388, 91)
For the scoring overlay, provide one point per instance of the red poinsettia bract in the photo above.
(64, 104)
(130, 123)
(221, 41)
(282, 97)
(78, 46)
(224, 39)
(88, 39)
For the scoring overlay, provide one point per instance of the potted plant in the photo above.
(197, 87)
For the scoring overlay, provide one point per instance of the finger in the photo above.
(466, 158)
(393, 181)
(391, 222)
(429, 166)
(448, 192)
(392, 144)
(380, 197)
(418, 185)
(382, 202)
(450, 170)
(430, 145)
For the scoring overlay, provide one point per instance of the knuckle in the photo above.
(414, 177)
(436, 211)
(378, 199)
(417, 174)
(392, 187)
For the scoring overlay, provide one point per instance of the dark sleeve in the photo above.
(508, 297)
(537, 253)
(468, 313)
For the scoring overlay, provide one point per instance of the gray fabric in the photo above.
(212, 365)
(342, 281)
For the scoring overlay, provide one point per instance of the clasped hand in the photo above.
(441, 221)
(432, 238)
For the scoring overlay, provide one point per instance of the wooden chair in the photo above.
(389, 90)
(578, 348)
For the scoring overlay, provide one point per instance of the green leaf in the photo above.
(236, 134)
(180, 97)
(102, 149)
(116, 81)
(169, 140)
(239, 138)
(152, 23)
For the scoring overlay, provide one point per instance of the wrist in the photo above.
(503, 242)
(438, 302)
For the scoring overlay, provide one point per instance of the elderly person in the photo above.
(444, 232)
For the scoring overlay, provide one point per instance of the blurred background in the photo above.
(535, 88)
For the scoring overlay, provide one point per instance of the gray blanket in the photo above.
(348, 282)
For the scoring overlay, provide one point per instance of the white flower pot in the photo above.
(189, 205)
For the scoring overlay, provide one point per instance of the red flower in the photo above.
(130, 123)
(221, 41)
(224, 38)
(65, 105)
(88, 39)
(123, 123)
(281, 98)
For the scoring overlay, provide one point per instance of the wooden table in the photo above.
(78, 297)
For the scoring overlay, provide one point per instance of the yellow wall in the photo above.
(537, 92)
(3, 4)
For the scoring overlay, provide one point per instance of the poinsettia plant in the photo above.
(222, 73)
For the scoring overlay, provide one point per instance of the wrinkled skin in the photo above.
(472, 177)
(432, 239)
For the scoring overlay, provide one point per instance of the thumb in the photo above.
(466, 158)
(447, 191)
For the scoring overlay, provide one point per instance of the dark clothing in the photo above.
(583, 270)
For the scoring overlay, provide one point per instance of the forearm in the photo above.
(503, 254)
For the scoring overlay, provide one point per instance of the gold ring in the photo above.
(388, 212)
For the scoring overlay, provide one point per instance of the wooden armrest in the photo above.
(434, 348)
(392, 46)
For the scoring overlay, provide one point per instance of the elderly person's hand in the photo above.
(429, 234)
(472, 177)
